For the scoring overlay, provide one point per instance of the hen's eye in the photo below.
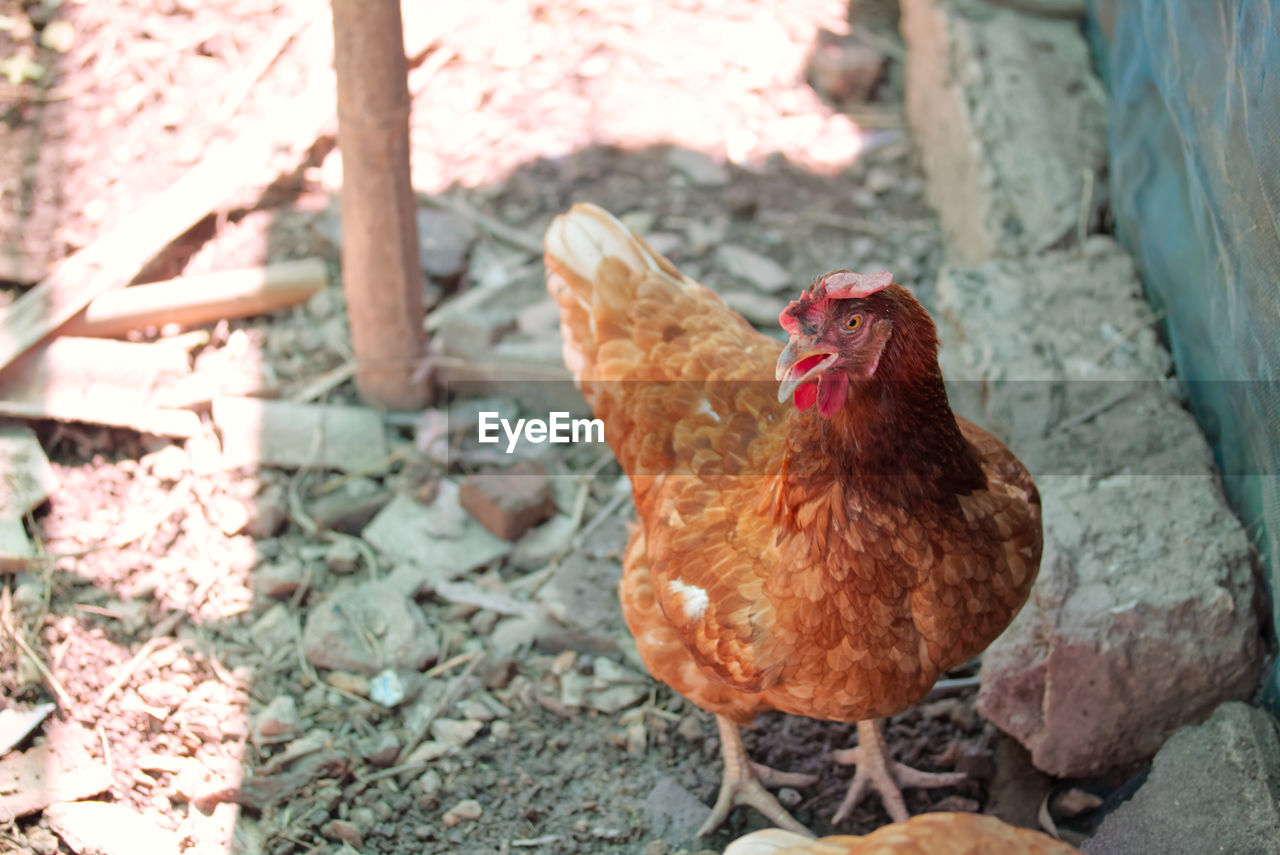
(853, 323)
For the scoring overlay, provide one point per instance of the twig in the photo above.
(446, 700)
(127, 671)
(64, 700)
(284, 33)
(307, 670)
(497, 228)
(324, 383)
(1091, 412)
(603, 514)
(338, 481)
(1127, 333)
(419, 77)
(390, 771)
(951, 686)
(106, 749)
(449, 664)
(1086, 202)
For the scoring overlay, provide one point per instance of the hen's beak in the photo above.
(803, 359)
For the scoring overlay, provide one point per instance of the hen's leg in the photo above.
(741, 784)
(877, 769)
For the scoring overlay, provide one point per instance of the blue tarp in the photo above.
(1195, 189)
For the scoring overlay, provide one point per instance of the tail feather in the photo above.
(592, 262)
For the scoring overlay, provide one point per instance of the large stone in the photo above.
(440, 541)
(366, 628)
(1212, 788)
(1145, 615)
(106, 828)
(1008, 118)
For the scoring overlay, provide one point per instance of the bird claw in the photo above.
(741, 785)
(774, 778)
(746, 789)
(887, 776)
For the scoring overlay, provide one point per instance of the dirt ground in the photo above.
(172, 611)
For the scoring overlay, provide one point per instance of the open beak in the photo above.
(802, 360)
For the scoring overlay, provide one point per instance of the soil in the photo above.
(170, 609)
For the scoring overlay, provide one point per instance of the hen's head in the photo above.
(841, 328)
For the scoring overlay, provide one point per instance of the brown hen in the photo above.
(827, 547)
(928, 834)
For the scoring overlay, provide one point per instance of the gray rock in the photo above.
(455, 732)
(700, 169)
(548, 541)
(278, 580)
(672, 813)
(1144, 616)
(435, 542)
(1008, 117)
(339, 631)
(278, 721)
(444, 239)
(583, 593)
(109, 829)
(379, 749)
(617, 698)
(1212, 788)
(1142, 620)
(276, 628)
(752, 267)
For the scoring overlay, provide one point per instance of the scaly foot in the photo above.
(741, 784)
(877, 769)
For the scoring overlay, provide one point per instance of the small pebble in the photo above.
(278, 720)
(380, 749)
(455, 732)
(386, 688)
(637, 737)
(348, 682)
(342, 830)
(363, 818)
(690, 729)
(467, 809)
(342, 557)
(430, 783)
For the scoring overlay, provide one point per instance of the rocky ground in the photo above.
(332, 655)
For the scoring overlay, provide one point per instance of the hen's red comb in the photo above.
(838, 285)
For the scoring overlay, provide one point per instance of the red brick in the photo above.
(509, 503)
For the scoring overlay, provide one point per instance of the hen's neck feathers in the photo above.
(896, 437)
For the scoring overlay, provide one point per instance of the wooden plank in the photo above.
(99, 381)
(76, 369)
(115, 257)
(200, 299)
(177, 424)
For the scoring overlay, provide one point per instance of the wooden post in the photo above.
(381, 272)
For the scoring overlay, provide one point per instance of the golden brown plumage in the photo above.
(927, 834)
(829, 561)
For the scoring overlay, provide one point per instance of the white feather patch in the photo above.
(693, 600)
